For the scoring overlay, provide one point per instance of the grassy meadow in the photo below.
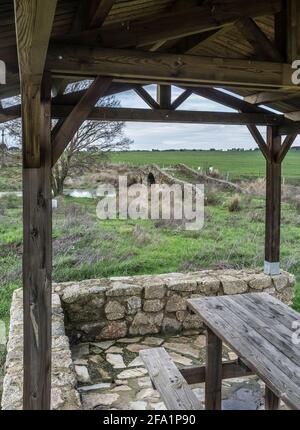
(85, 247)
(235, 165)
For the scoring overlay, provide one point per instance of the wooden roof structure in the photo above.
(201, 46)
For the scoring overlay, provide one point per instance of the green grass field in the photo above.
(235, 164)
(85, 247)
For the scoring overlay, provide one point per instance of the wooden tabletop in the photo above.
(259, 329)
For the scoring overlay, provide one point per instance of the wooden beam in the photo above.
(66, 59)
(78, 115)
(190, 44)
(293, 30)
(99, 11)
(164, 95)
(91, 14)
(280, 27)
(9, 114)
(286, 146)
(289, 128)
(181, 99)
(170, 116)
(74, 97)
(273, 204)
(178, 5)
(33, 21)
(293, 116)
(230, 370)
(69, 99)
(37, 262)
(177, 24)
(145, 96)
(266, 97)
(228, 100)
(260, 141)
(264, 48)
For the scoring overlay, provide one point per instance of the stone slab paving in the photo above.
(119, 381)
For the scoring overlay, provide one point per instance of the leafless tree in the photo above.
(101, 137)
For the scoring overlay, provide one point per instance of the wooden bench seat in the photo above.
(168, 380)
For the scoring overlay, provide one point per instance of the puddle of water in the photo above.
(243, 399)
(80, 194)
(10, 193)
(87, 194)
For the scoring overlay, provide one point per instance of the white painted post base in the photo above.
(272, 268)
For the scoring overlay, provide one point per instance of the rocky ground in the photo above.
(112, 376)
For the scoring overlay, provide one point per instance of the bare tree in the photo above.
(102, 137)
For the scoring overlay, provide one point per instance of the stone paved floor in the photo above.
(112, 376)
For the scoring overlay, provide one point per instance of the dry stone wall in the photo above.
(63, 395)
(103, 309)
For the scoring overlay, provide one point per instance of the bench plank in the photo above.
(279, 373)
(168, 381)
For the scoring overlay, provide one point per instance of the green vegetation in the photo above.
(85, 247)
(236, 164)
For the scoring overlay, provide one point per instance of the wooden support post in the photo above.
(37, 255)
(273, 204)
(164, 94)
(213, 373)
(272, 402)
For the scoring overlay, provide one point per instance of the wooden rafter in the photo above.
(77, 115)
(66, 59)
(181, 99)
(294, 116)
(266, 97)
(99, 11)
(90, 14)
(146, 97)
(226, 99)
(264, 48)
(255, 133)
(286, 146)
(178, 5)
(293, 30)
(177, 24)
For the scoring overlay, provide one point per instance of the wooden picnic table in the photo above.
(260, 330)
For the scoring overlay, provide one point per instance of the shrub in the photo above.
(234, 204)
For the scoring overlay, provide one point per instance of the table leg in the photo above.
(213, 372)
(272, 402)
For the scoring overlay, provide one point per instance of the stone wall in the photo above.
(64, 395)
(119, 307)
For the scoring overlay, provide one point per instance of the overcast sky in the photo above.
(149, 136)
